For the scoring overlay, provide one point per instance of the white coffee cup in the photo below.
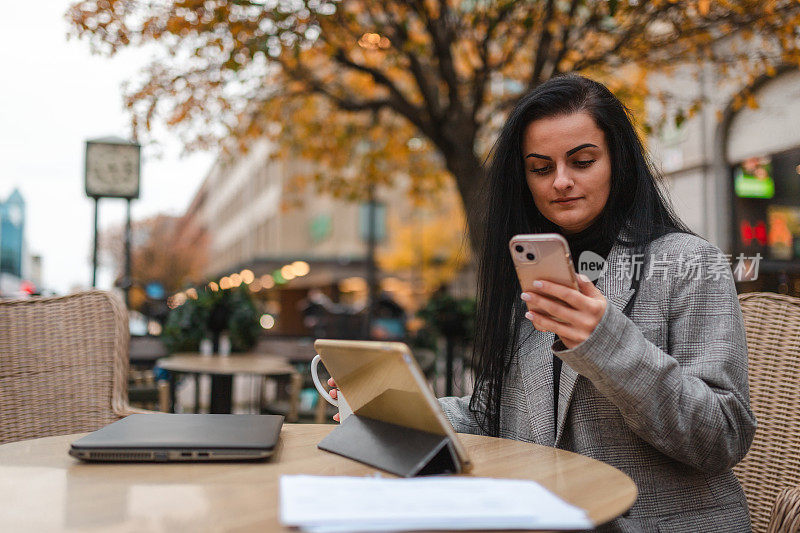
(339, 401)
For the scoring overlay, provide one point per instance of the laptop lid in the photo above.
(181, 437)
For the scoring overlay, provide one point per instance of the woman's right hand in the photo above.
(333, 392)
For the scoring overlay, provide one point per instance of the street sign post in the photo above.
(112, 170)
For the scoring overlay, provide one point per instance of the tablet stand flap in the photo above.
(396, 449)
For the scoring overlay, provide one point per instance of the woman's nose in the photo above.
(563, 181)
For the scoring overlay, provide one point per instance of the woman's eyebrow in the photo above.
(581, 147)
(539, 156)
(569, 152)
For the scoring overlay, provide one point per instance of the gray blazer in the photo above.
(662, 396)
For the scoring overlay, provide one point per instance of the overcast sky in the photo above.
(54, 95)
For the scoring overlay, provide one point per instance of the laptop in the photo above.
(162, 437)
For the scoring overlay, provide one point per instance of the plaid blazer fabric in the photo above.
(662, 395)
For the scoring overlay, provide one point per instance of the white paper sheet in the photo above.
(328, 504)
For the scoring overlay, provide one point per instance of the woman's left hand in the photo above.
(578, 311)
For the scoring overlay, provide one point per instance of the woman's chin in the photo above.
(571, 224)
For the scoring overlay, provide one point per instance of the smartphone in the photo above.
(542, 256)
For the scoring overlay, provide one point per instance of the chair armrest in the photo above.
(786, 511)
(129, 410)
(163, 403)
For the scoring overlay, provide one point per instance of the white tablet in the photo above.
(382, 381)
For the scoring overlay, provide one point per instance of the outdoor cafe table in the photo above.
(222, 369)
(44, 489)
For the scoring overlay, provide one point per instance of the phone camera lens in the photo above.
(519, 248)
(530, 257)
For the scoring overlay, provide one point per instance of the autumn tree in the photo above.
(426, 247)
(162, 250)
(375, 90)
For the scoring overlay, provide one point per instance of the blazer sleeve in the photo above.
(457, 411)
(692, 403)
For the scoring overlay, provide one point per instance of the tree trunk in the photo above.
(469, 174)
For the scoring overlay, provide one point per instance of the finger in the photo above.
(575, 326)
(336, 417)
(333, 393)
(597, 301)
(543, 323)
(528, 297)
(555, 290)
(543, 305)
(587, 287)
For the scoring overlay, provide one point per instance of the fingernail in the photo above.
(529, 315)
(537, 284)
(525, 296)
(583, 277)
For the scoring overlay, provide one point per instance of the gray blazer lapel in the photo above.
(615, 286)
(536, 368)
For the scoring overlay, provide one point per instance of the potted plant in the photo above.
(213, 313)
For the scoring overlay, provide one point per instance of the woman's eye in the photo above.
(585, 164)
(541, 170)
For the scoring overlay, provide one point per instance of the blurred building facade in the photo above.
(253, 224)
(242, 204)
(733, 169)
(20, 272)
(12, 234)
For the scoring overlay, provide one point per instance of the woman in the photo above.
(647, 371)
(652, 380)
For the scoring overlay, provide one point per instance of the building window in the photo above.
(320, 228)
(767, 206)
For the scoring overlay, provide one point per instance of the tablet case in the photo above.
(395, 449)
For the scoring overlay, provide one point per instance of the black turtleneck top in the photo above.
(593, 240)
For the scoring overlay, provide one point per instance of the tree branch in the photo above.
(543, 49)
(441, 36)
(564, 40)
(340, 56)
(303, 75)
(481, 77)
(400, 106)
(428, 89)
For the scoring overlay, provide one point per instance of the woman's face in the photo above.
(568, 169)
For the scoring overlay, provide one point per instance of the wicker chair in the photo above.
(770, 473)
(63, 365)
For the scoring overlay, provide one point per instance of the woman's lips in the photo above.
(567, 201)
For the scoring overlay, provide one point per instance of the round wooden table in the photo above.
(44, 489)
(222, 369)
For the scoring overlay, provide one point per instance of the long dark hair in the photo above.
(635, 203)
